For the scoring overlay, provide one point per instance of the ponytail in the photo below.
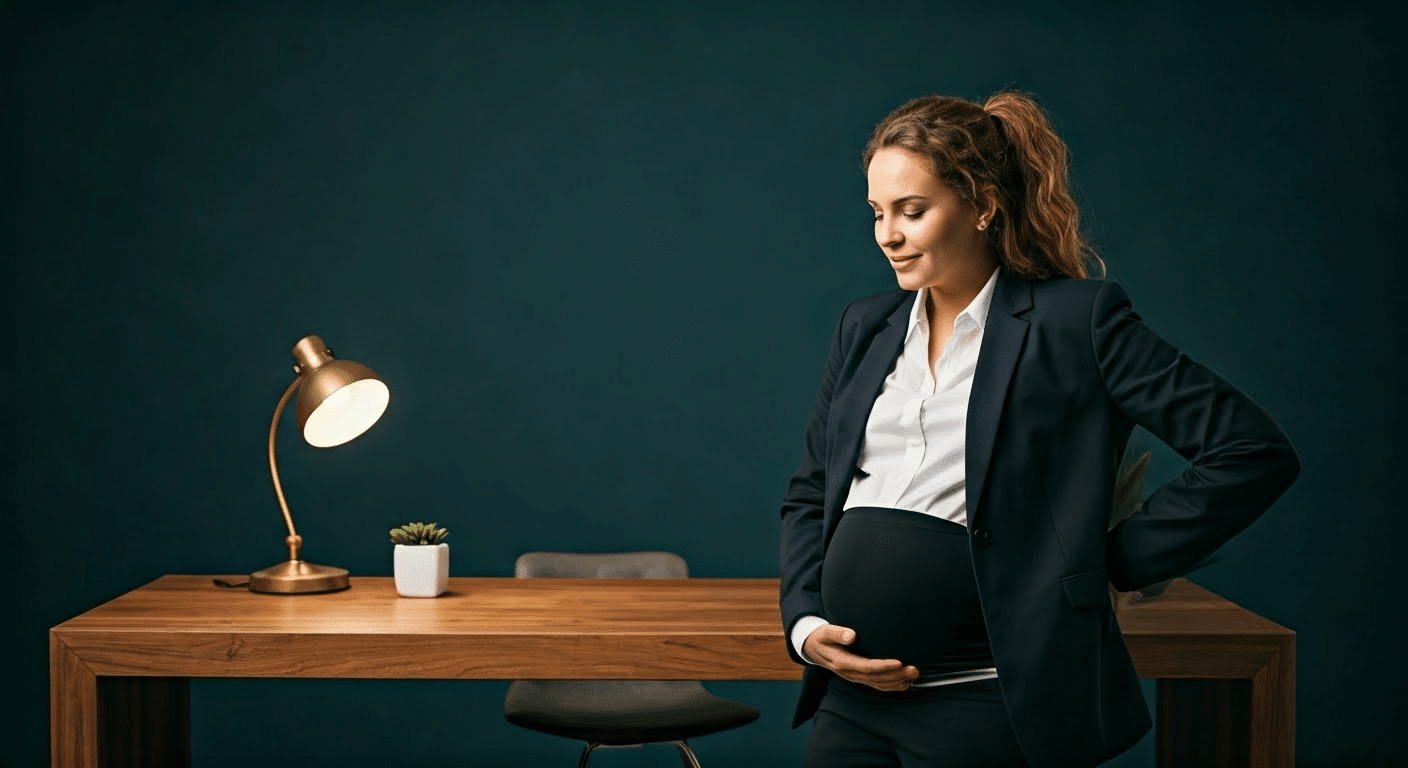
(1009, 146)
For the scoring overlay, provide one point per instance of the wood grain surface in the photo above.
(118, 692)
(1226, 677)
(506, 628)
(1188, 610)
(73, 708)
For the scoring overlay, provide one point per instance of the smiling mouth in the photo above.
(904, 260)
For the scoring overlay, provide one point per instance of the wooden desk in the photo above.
(1227, 679)
(118, 674)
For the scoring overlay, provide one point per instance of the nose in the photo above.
(886, 235)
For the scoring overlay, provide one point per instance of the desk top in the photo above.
(185, 603)
(479, 606)
(508, 628)
(499, 628)
(1187, 610)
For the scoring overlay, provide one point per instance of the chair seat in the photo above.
(622, 711)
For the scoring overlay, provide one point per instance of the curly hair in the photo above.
(1006, 145)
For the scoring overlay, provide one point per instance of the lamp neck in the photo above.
(309, 353)
(293, 540)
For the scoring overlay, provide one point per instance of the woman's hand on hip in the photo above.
(826, 646)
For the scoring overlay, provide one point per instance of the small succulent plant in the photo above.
(418, 533)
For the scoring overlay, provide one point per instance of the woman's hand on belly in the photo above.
(826, 646)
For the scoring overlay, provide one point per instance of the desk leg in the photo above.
(115, 722)
(73, 709)
(1273, 713)
(1231, 722)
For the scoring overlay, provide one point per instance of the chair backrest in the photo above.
(607, 565)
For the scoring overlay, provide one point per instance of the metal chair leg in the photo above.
(586, 753)
(686, 754)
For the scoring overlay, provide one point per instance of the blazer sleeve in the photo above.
(1241, 460)
(800, 556)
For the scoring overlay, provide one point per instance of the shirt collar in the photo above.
(976, 311)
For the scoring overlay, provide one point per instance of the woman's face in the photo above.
(929, 235)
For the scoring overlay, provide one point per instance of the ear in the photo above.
(987, 207)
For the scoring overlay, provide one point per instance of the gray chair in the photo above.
(618, 712)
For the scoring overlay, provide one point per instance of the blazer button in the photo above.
(981, 538)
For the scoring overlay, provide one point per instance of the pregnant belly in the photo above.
(904, 582)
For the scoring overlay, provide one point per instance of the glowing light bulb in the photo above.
(339, 398)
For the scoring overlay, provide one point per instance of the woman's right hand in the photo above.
(826, 646)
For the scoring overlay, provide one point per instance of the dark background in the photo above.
(597, 256)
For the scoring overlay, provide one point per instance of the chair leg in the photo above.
(586, 753)
(686, 754)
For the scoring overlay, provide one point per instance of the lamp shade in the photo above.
(338, 401)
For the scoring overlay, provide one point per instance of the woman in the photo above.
(945, 551)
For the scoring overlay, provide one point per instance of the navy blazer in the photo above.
(1065, 371)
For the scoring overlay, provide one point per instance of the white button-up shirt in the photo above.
(913, 453)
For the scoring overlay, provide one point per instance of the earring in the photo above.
(982, 225)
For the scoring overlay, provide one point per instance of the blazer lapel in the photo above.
(853, 404)
(1003, 338)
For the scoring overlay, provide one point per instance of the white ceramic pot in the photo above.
(422, 570)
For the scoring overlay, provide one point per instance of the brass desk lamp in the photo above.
(337, 401)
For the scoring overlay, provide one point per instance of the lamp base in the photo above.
(296, 577)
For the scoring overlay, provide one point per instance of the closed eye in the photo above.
(911, 215)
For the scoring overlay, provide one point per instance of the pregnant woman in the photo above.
(945, 551)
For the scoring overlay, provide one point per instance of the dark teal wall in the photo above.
(597, 256)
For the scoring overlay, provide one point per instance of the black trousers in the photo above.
(904, 582)
(964, 725)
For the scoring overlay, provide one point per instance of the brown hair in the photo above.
(1006, 144)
